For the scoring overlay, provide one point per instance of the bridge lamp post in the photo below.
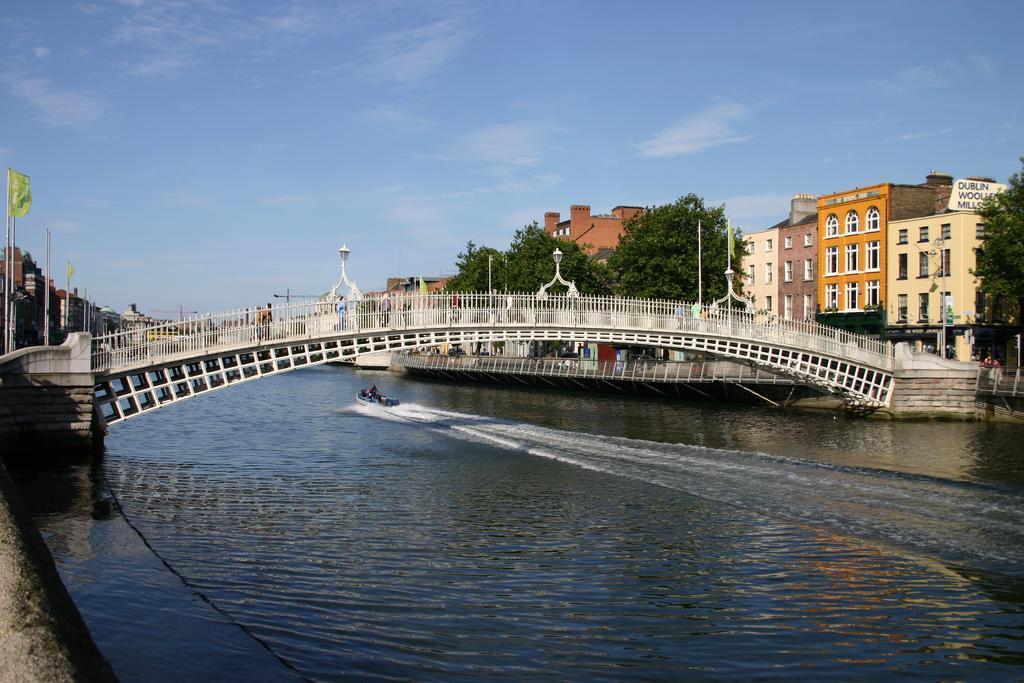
(542, 294)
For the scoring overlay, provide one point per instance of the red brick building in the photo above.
(797, 259)
(592, 232)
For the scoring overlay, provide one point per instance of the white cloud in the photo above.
(709, 128)
(923, 134)
(40, 52)
(503, 145)
(413, 54)
(58, 107)
(395, 118)
(983, 63)
(912, 78)
(175, 35)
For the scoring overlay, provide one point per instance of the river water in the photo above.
(277, 530)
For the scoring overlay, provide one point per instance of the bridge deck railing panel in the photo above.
(313, 319)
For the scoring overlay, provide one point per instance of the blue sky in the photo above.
(212, 153)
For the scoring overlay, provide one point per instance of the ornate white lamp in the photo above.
(542, 294)
(353, 289)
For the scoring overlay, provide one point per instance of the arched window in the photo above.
(872, 221)
(852, 222)
(831, 225)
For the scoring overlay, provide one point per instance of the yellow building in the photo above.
(931, 259)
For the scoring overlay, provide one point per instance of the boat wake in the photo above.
(976, 524)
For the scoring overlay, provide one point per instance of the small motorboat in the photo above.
(374, 397)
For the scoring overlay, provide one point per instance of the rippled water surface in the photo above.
(485, 532)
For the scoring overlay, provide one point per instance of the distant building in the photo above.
(931, 259)
(434, 283)
(852, 242)
(797, 259)
(758, 269)
(30, 285)
(594, 233)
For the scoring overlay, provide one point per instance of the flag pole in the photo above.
(46, 294)
(7, 263)
(700, 270)
(67, 297)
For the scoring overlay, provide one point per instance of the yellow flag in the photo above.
(19, 194)
(423, 286)
(71, 270)
(732, 246)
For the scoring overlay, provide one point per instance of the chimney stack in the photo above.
(802, 206)
(942, 186)
(551, 219)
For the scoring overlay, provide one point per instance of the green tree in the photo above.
(657, 256)
(528, 264)
(1000, 262)
(472, 267)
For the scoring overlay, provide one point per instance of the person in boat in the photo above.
(373, 393)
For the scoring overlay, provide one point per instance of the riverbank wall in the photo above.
(42, 635)
(46, 398)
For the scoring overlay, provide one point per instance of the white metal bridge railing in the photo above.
(323, 319)
(1000, 382)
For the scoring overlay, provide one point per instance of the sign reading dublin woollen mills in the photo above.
(969, 193)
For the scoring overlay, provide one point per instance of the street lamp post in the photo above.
(937, 250)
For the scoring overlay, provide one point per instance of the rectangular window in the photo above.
(901, 308)
(768, 245)
(947, 231)
(872, 293)
(750, 274)
(979, 306)
(903, 236)
(852, 254)
(831, 260)
(768, 304)
(787, 307)
(922, 234)
(979, 231)
(832, 296)
(922, 307)
(787, 271)
(808, 306)
(808, 269)
(922, 264)
(768, 272)
(945, 262)
(788, 242)
(808, 239)
(873, 255)
(902, 273)
(851, 296)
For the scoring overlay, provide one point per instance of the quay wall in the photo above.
(46, 398)
(42, 635)
(928, 387)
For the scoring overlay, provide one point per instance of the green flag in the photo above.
(19, 194)
(423, 286)
(71, 271)
(732, 246)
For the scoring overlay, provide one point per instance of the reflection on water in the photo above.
(490, 532)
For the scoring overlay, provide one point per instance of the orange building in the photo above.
(852, 229)
(592, 233)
